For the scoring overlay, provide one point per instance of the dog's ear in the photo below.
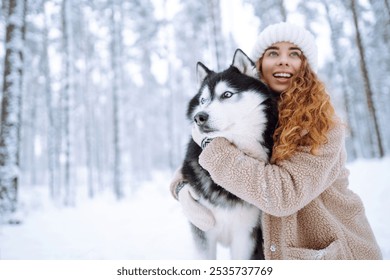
(244, 64)
(201, 71)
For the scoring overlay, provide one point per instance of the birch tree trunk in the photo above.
(52, 149)
(89, 117)
(116, 87)
(10, 108)
(67, 95)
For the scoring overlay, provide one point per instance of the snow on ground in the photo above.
(149, 225)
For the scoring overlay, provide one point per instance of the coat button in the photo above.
(273, 248)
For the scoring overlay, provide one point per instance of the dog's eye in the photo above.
(227, 94)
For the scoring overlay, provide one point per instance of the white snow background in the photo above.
(150, 224)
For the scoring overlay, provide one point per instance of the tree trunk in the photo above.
(67, 95)
(10, 107)
(52, 149)
(352, 146)
(367, 83)
(116, 86)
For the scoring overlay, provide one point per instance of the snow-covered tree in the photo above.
(10, 107)
(98, 99)
(368, 90)
(116, 46)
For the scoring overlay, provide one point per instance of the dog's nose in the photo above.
(201, 118)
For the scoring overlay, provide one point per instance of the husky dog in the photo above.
(236, 105)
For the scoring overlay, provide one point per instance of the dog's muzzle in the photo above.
(201, 118)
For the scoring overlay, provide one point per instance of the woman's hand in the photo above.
(197, 214)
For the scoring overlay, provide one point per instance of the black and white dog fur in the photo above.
(236, 105)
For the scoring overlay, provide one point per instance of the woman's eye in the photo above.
(227, 94)
(272, 53)
(295, 54)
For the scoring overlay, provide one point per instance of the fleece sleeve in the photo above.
(277, 189)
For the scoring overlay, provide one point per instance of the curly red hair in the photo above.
(305, 115)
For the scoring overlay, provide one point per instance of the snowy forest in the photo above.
(94, 93)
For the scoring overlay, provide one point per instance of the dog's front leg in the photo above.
(242, 247)
(210, 250)
(206, 243)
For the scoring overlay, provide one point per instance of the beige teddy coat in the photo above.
(308, 210)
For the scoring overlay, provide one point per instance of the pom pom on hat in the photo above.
(287, 32)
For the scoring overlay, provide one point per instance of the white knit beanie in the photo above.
(287, 32)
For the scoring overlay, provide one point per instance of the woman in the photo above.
(308, 210)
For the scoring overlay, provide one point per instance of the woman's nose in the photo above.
(283, 60)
